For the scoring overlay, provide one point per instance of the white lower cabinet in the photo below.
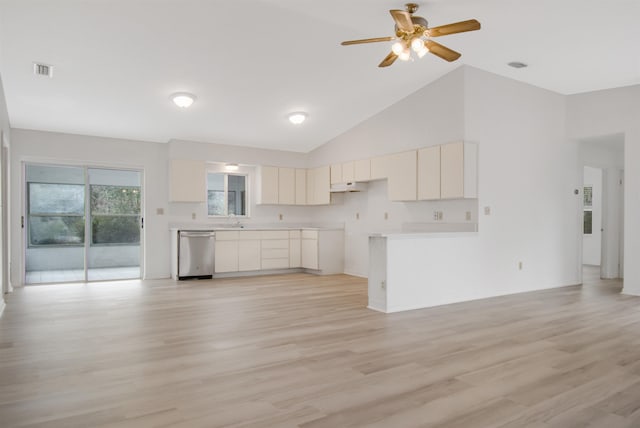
(294, 249)
(322, 250)
(318, 250)
(275, 249)
(226, 256)
(309, 249)
(248, 250)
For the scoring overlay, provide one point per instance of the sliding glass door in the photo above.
(81, 224)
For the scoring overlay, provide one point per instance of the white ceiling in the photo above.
(251, 62)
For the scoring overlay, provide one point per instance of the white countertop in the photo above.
(219, 227)
(424, 235)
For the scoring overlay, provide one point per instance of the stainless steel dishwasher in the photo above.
(196, 254)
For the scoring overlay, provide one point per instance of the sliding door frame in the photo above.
(86, 166)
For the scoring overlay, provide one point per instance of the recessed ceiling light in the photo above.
(297, 117)
(517, 64)
(183, 99)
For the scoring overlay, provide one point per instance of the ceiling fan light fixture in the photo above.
(422, 52)
(405, 55)
(297, 117)
(417, 44)
(397, 48)
(183, 99)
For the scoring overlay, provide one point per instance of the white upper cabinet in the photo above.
(459, 170)
(286, 186)
(336, 174)
(380, 167)
(348, 172)
(267, 185)
(187, 181)
(301, 187)
(362, 170)
(429, 173)
(322, 186)
(403, 176)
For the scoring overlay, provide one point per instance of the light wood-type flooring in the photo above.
(301, 350)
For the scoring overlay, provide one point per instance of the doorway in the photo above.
(81, 224)
(602, 207)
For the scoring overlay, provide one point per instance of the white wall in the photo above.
(609, 112)
(527, 176)
(591, 243)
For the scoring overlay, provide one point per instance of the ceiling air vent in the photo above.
(42, 69)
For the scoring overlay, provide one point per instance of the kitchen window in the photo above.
(227, 195)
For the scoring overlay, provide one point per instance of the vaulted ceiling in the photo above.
(250, 63)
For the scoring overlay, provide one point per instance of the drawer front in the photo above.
(309, 234)
(275, 263)
(275, 234)
(249, 235)
(275, 253)
(275, 243)
(294, 234)
(227, 235)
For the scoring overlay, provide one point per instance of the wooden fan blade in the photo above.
(403, 20)
(457, 27)
(388, 60)
(442, 51)
(372, 40)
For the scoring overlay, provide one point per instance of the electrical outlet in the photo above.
(160, 211)
(519, 265)
(468, 216)
(440, 215)
(386, 216)
(435, 215)
(357, 216)
(487, 210)
(280, 216)
(383, 285)
(193, 216)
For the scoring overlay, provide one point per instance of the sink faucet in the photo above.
(236, 223)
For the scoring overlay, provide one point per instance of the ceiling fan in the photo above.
(413, 33)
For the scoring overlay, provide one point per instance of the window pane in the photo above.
(56, 198)
(588, 222)
(115, 199)
(56, 230)
(115, 229)
(237, 194)
(588, 196)
(215, 202)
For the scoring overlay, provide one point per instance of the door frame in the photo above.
(86, 166)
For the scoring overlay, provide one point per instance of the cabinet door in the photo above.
(187, 181)
(429, 173)
(268, 185)
(226, 257)
(286, 186)
(362, 170)
(301, 187)
(309, 253)
(322, 194)
(311, 187)
(380, 167)
(248, 255)
(336, 174)
(348, 172)
(294, 253)
(452, 170)
(403, 176)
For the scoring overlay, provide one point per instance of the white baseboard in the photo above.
(2, 306)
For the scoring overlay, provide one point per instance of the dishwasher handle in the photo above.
(196, 234)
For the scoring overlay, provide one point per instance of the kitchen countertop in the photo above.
(218, 227)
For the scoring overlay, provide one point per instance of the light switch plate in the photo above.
(487, 210)
(160, 211)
